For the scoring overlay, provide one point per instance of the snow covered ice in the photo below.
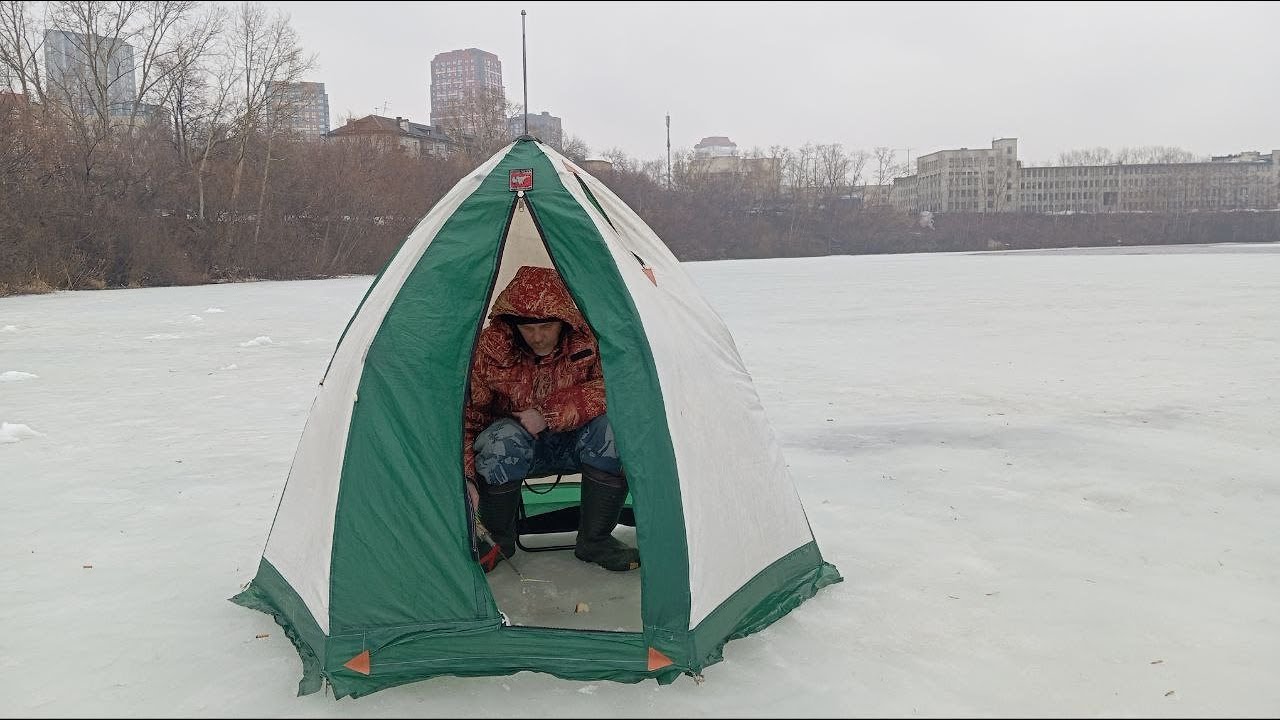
(16, 432)
(16, 376)
(1050, 480)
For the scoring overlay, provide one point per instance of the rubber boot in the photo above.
(498, 507)
(603, 495)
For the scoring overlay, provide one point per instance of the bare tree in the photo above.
(832, 168)
(115, 55)
(1089, 156)
(267, 53)
(886, 168)
(202, 83)
(93, 76)
(264, 55)
(682, 169)
(477, 122)
(575, 148)
(165, 34)
(886, 164)
(836, 171)
(20, 48)
(1156, 154)
(797, 171)
(185, 90)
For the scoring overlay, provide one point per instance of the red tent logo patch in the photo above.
(521, 180)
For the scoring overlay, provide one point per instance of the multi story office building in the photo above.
(1248, 181)
(968, 180)
(995, 181)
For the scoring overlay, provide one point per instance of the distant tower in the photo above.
(465, 85)
(544, 126)
(668, 151)
(715, 146)
(305, 105)
(78, 65)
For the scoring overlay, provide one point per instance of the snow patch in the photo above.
(164, 336)
(195, 318)
(260, 340)
(15, 432)
(16, 376)
(214, 309)
(232, 366)
(9, 328)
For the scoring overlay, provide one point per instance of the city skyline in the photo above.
(917, 77)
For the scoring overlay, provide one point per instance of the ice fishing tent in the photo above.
(367, 565)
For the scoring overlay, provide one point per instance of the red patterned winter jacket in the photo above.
(566, 386)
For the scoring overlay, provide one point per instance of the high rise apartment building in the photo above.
(466, 87)
(305, 106)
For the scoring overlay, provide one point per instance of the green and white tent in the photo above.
(367, 565)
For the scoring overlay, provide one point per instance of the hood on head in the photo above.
(537, 292)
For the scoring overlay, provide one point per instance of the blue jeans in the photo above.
(506, 452)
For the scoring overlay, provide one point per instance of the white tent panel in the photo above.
(523, 246)
(741, 508)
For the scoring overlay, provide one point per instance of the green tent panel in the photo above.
(367, 564)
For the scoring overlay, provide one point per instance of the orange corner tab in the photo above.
(657, 660)
(648, 272)
(360, 663)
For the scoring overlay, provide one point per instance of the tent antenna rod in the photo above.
(524, 62)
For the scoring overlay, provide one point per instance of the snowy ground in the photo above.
(1051, 481)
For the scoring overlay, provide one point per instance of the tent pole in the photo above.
(524, 63)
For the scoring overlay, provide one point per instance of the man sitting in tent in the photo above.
(537, 407)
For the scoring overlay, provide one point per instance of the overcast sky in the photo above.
(926, 76)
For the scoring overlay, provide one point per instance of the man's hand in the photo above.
(532, 420)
